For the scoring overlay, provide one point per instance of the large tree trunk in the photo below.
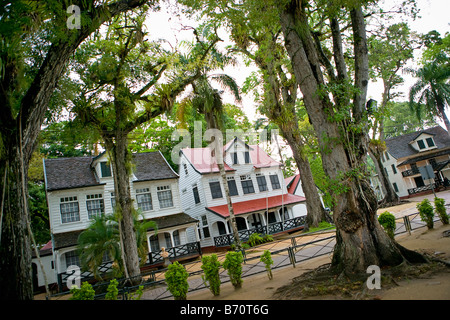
(361, 241)
(15, 249)
(315, 210)
(120, 158)
(282, 112)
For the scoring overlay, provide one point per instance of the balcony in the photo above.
(271, 228)
(421, 189)
(410, 172)
(187, 250)
(436, 167)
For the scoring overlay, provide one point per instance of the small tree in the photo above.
(233, 264)
(387, 220)
(211, 266)
(112, 290)
(176, 279)
(426, 212)
(439, 205)
(266, 258)
(84, 293)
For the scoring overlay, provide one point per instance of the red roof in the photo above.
(257, 204)
(203, 162)
(292, 182)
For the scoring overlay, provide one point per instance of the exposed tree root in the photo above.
(323, 282)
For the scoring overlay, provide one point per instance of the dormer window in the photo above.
(421, 144)
(105, 169)
(234, 156)
(426, 143)
(430, 142)
(247, 156)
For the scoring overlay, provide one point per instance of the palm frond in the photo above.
(227, 83)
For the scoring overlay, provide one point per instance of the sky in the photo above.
(434, 15)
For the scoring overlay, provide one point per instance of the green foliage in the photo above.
(211, 267)
(84, 293)
(137, 294)
(233, 265)
(102, 236)
(399, 120)
(426, 212)
(176, 279)
(112, 290)
(255, 239)
(322, 225)
(39, 212)
(266, 258)
(387, 220)
(439, 205)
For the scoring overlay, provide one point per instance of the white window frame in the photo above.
(95, 204)
(72, 215)
(142, 193)
(165, 201)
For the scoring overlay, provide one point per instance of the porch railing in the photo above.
(410, 172)
(421, 189)
(175, 252)
(271, 228)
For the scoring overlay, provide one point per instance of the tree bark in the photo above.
(360, 240)
(120, 159)
(315, 210)
(15, 247)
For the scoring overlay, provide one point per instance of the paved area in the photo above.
(410, 207)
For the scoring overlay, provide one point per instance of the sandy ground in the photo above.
(435, 287)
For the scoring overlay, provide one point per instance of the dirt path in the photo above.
(435, 287)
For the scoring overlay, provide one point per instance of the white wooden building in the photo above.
(260, 199)
(81, 187)
(405, 154)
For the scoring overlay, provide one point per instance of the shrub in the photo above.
(266, 258)
(426, 212)
(84, 293)
(210, 267)
(176, 279)
(112, 290)
(255, 239)
(233, 264)
(387, 220)
(267, 238)
(439, 205)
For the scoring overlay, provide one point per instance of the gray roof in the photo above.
(152, 166)
(399, 147)
(78, 172)
(69, 173)
(173, 220)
